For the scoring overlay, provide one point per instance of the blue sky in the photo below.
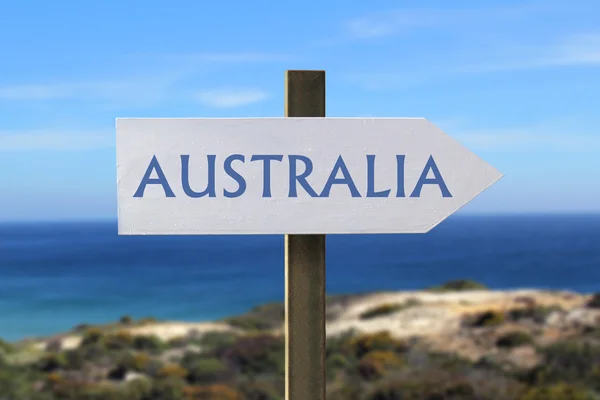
(515, 81)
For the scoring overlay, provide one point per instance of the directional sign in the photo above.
(291, 175)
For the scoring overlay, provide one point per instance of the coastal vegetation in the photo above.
(459, 285)
(387, 309)
(501, 346)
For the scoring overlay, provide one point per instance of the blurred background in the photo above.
(511, 277)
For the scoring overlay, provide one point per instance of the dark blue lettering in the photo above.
(185, 178)
(436, 180)
(235, 175)
(295, 178)
(160, 180)
(266, 159)
(371, 180)
(345, 180)
(400, 176)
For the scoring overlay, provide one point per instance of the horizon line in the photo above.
(459, 215)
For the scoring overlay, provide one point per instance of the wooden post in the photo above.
(305, 268)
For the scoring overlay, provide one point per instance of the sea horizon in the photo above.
(459, 214)
(59, 274)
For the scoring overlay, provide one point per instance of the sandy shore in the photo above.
(421, 314)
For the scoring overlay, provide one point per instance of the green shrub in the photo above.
(100, 391)
(6, 348)
(54, 345)
(387, 309)
(217, 340)
(559, 392)
(514, 339)
(427, 388)
(17, 383)
(489, 318)
(138, 362)
(203, 369)
(350, 391)
(177, 343)
(362, 344)
(370, 371)
(126, 320)
(459, 285)
(536, 313)
(593, 331)
(569, 361)
(337, 361)
(138, 389)
(118, 341)
(451, 362)
(168, 389)
(339, 343)
(212, 392)
(90, 353)
(275, 311)
(374, 364)
(74, 359)
(260, 390)
(248, 323)
(263, 317)
(594, 302)
(153, 367)
(118, 373)
(256, 354)
(92, 336)
(172, 370)
(150, 343)
(51, 362)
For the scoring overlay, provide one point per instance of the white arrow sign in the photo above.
(291, 175)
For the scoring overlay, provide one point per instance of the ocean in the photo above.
(58, 275)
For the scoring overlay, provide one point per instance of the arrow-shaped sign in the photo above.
(291, 175)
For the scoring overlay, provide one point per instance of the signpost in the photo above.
(305, 337)
(304, 177)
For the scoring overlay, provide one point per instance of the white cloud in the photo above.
(560, 135)
(55, 140)
(34, 92)
(572, 50)
(125, 91)
(527, 141)
(388, 80)
(401, 21)
(580, 49)
(577, 50)
(229, 98)
(135, 88)
(256, 57)
(387, 23)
